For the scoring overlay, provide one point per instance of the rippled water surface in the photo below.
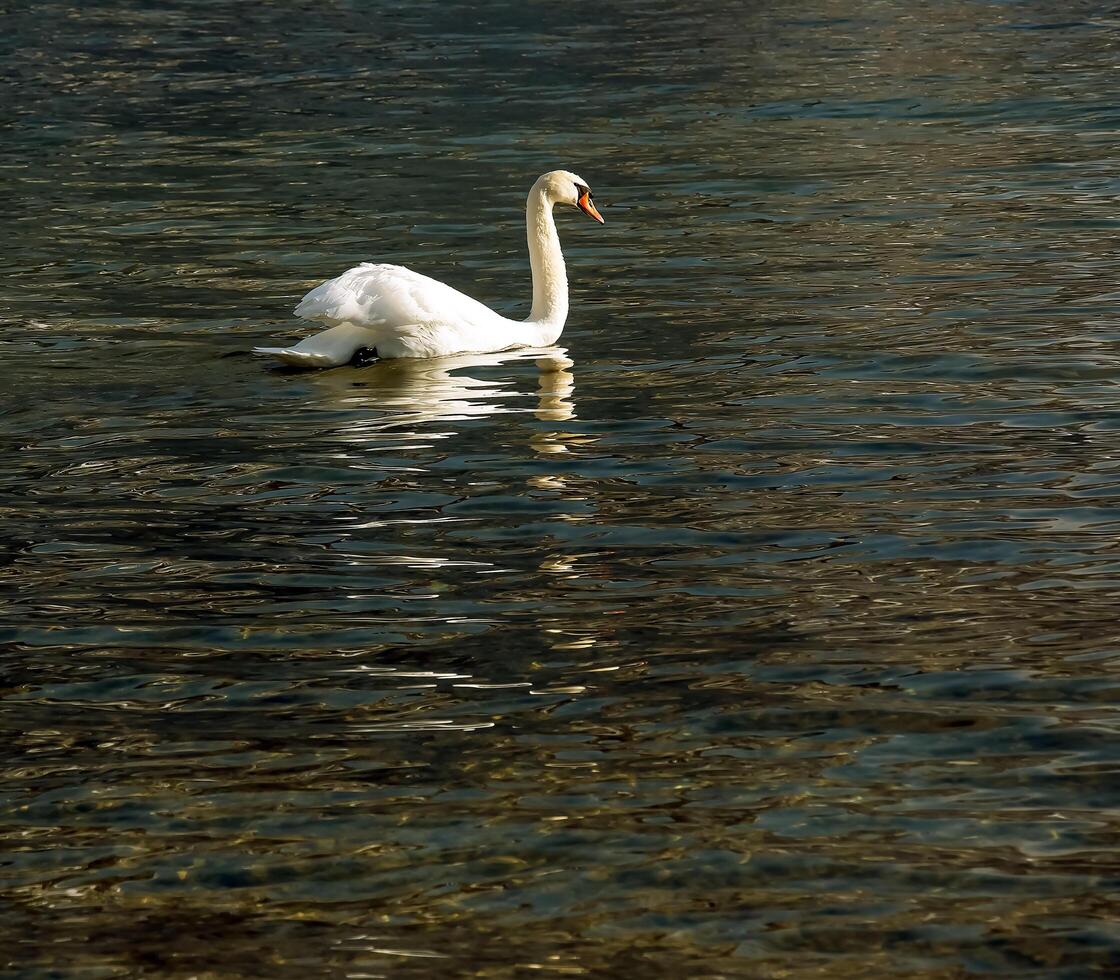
(768, 628)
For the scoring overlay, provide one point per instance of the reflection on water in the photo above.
(767, 629)
(429, 390)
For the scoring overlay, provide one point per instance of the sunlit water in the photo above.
(768, 627)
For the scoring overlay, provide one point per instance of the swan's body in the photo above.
(390, 311)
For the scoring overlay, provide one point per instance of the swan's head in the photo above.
(564, 187)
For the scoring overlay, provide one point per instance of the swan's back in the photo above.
(379, 295)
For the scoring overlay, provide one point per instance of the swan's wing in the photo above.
(372, 295)
(394, 311)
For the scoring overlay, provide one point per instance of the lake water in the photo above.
(767, 628)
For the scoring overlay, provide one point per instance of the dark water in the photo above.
(769, 631)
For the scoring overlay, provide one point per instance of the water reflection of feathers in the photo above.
(399, 399)
(407, 392)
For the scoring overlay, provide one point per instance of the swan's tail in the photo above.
(331, 348)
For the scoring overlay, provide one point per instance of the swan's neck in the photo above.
(550, 280)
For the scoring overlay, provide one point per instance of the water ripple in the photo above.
(766, 628)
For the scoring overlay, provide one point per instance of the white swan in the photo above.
(389, 311)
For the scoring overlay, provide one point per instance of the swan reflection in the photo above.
(409, 404)
(413, 391)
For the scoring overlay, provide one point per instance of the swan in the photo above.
(388, 311)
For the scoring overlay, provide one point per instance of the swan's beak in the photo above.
(587, 206)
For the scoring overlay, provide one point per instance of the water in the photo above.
(766, 628)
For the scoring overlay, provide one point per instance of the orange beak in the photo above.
(587, 206)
